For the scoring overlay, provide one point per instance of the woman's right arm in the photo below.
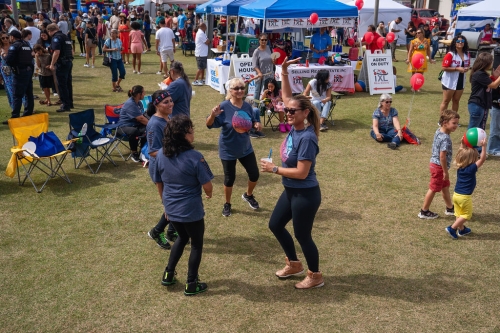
(214, 113)
(208, 188)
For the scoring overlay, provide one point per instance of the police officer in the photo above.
(20, 59)
(62, 56)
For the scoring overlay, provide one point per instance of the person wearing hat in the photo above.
(22, 22)
(279, 47)
(20, 60)
(62, 56)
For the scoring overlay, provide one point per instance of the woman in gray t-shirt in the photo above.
(262, 63)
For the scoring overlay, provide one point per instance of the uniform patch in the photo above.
(55, 39)
(12, 48)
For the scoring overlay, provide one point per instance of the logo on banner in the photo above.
(380, 75)
(214, 75)
(337, 78)
(297, 79)
(247, 77)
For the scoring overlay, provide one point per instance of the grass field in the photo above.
(77, 258)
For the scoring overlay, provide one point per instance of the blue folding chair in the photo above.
(82, 126)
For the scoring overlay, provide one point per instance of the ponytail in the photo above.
(135, 90)
(179, 69)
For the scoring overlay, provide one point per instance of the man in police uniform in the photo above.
(63, 57)
(20, 59)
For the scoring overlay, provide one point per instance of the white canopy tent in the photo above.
(475, 17)
(388, 11)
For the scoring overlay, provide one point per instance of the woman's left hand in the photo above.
(257, 126)
(266, 166)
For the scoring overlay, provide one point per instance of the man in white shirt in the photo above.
(114, 20)
(395, 28)
(201, 54)
(165, 45)
(63, 25)
(35, 32)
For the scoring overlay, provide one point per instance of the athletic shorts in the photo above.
(201, 62)
(183, 33)
(167, 55)
(437, 182)
(463, 205)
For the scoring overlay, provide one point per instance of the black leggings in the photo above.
(249, 163)
(299, 205)
(195, 231)
(80, 41)
(162, 224)
(133, 134)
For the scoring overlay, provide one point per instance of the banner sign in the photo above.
(275, 24)
(341, 77)
(379, 72)
(243, 67)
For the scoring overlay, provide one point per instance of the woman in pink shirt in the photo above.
(137, 45)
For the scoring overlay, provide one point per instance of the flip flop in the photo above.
(42, 102)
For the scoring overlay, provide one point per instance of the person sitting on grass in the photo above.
(386, 126)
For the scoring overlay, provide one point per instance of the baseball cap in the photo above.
(15, 34)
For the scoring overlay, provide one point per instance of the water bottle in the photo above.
(79, 140)
(307, 62)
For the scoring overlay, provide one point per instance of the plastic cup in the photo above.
(267, 159)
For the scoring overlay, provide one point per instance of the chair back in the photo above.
(305, 81)
(76, 121)
(24, 127)
(112, 113)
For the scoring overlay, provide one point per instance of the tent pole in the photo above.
(375, 14)
(14, 11)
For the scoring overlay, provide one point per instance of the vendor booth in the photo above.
(388, 11)
(475, 17)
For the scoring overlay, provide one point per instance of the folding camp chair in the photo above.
(334, 98)
(25, 160)
(269, 113)
(110, 129)
(91, 140)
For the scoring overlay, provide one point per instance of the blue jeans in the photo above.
(389, 135)
(256, 113)
(323, 109)
(494, 139)
(477, 116)
(117, 65)
(100, 43)
(435, 47)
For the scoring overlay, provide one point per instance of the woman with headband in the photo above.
(159, 110)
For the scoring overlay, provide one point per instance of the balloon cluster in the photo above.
(359, 4)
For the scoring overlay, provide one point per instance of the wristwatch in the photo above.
(275, 169)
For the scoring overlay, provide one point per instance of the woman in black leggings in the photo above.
(235, 117)
(301, 197)
(181, 172)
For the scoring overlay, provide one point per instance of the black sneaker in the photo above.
(392, 145)
(253, 133)
(135, 157)
(251, 200)
(159, 238)
(172, 236)
(168, 278)
(428, 215)
(226, 211)
(196, 287)
(260, 134)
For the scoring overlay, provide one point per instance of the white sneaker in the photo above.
(159, 73)
(196, 83)
(86, 65)
(202, 82)
(139, 72)
(403, 90)
(84, 54)
(134, 71)
(93, 66)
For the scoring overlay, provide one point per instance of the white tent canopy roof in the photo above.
(486, 8)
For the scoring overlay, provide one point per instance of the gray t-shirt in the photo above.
(263, 61)
(442, 142)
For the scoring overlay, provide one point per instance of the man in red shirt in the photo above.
(373, 45)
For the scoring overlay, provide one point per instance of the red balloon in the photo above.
(381, 42)
(350, 41)
(417, 81)
(417, 60)
(313, 18)
(359, 4)
(390, 37)
(369, 37)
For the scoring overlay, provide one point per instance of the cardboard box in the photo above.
(222, 47)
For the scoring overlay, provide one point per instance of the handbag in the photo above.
(47, 144)
(106, 61)
(409, 136)
(440, 75)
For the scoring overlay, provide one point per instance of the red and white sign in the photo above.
(380, 75)
(345, 22)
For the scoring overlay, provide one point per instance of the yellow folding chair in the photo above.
(25, 160)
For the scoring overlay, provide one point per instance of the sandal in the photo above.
(119, 89)
(59, 102)
(49, 104)
(42, 102)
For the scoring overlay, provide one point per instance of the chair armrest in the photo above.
(75, 133)
(109, 126)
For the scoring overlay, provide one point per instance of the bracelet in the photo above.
(284, 73)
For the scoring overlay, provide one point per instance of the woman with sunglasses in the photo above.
(385, 123)
(159, 111)
(419, 45)
(236, 117)
(456, 63)
(262, 63)
(301, 197)
(6, 71)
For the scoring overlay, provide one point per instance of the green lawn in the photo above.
(77, 258)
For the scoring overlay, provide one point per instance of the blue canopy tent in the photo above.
(286, 9)
(204, 8)
(228, 7)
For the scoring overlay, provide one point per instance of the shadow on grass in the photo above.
(482, 236)
(486, 218)
(328, 214)
(432, 289)
(349, 125)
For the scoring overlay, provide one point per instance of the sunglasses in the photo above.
(291, 111)
(460, 41)
(263, 40)
(419, 32)
(238, 88)
(388, 102)
(5, 37)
